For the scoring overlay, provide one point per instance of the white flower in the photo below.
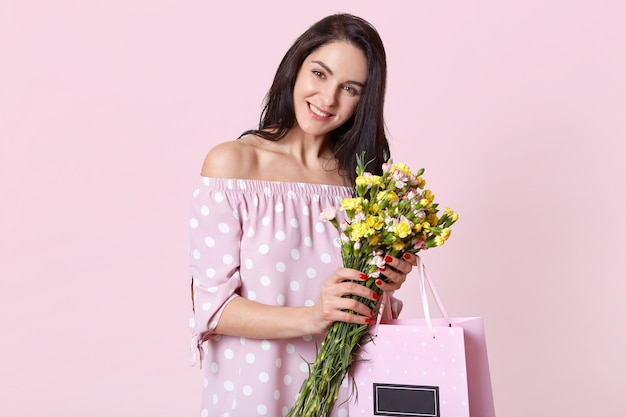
(378, 260)
(358, 217)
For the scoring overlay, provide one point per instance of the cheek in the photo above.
(351, 107)
(304, 89)
(308, 81)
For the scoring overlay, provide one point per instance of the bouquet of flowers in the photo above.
(389, 214)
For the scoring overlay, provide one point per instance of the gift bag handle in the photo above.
(424, 281)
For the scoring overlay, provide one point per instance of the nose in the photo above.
(329, 96)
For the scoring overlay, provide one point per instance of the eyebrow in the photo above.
(327, 68)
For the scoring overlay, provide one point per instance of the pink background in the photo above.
(515, 109)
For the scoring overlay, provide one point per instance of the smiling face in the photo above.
(328, 87)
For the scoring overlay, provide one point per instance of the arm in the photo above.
(243, 317)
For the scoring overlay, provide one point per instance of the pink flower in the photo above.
(328, 214)
(419, 244)
(410, 195)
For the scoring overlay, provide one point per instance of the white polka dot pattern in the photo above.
(405, 353)
(261, 240)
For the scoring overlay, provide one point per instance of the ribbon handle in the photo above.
(424, 281)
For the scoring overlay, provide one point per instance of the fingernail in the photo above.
(383, 268)
(367, 320)
(363, 277)
(376, 296)
(406, 256)
(379, 282)
(388, 259)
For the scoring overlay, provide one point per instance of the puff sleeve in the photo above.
(215, 236)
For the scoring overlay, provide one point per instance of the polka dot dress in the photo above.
(261, 240)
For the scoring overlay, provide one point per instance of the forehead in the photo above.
(343, 59)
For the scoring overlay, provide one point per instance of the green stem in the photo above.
(320, 390)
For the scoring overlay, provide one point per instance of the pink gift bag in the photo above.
(434, 367)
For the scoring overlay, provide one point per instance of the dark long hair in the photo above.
(365, 130)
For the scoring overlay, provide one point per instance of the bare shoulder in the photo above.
(232, 159)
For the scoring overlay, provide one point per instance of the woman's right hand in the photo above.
(331, 304)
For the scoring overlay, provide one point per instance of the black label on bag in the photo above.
(406, 400)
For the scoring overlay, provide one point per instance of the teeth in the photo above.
(318, 111)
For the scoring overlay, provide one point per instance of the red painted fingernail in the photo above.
(367, 320)
(388, 259)
(379, 282)
(363, 277)
(383, 268)
(406, 256)
(376, 296)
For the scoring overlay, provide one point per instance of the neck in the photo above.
(310, 150)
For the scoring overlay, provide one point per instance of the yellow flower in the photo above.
(360, 230)
(402, 167)
(421, 182)
(417, 227)
(390, 196)
(374, 208)
(355, 203)
(398, 245)
(365, 182)
(368, 179)
(439, 240)
(428, 195)
(374, 240)
(402, 230)
(448, 211)
(445, 233)
(360, 181)
(432, 218)
(375, 222)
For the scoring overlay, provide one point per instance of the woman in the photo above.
(267, 275)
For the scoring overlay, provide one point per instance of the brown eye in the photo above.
(350, 90)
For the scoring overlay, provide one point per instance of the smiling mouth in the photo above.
(316, 111)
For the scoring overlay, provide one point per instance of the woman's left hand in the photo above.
(395, 271)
